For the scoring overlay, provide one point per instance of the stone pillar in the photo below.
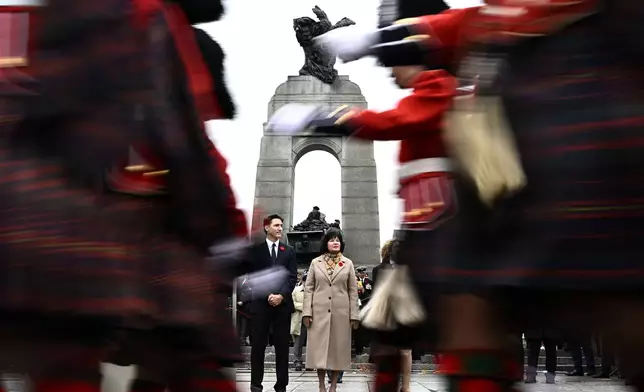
(360, 216)
(274, 178)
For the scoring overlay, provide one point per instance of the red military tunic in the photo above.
(417, 122)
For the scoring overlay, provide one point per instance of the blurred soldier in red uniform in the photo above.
(562, 79)
(112, 195)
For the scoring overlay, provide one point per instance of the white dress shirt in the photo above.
(270, 247)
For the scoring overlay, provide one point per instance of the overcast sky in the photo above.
(262, 51)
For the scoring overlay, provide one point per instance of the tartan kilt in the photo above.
(109, 260)
(577, 226)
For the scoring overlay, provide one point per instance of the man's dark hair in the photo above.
(269, 219)
(328, 236)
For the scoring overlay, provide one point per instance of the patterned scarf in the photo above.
(331, 261)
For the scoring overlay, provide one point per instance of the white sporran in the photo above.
(378, 313)
(480, 139)
(407, 308)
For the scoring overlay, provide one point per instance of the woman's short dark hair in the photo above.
(328, 236)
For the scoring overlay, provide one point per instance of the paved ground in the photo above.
(116, 380)
(356, 382)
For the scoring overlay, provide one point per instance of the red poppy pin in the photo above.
(281, 248)
(340, 264)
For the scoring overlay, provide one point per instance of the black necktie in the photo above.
(274, 254)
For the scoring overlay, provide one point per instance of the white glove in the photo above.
(348, 43)
(267, 281)
(228, 254)
(293, 118)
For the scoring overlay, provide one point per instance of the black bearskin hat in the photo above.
(393, 10)
(201, 11)
(213, 56)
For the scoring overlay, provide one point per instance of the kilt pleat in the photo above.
(578, 225)
(107, 260)
(66, 249)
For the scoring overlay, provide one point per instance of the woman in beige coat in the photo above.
(330, 310)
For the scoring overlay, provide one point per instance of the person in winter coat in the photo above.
(298, 331)
(330, 310)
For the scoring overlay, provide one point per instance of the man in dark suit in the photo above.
(272, 314)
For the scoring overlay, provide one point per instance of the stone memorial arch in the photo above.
(274, 187)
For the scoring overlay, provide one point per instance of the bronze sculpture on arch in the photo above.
(315, 221)
(317, 61)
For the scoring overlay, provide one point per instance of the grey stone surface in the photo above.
(308, 89)
(279, 155)
(363, 382)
